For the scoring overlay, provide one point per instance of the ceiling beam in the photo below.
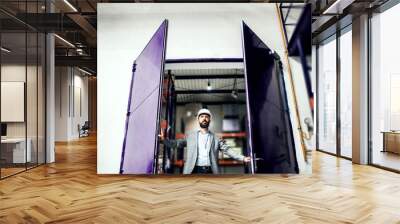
(49, 22)
(239, 102)
(213, 91)
(86, 26)
(203, 60)
(338, 6)
(185, 77)
(83, 61)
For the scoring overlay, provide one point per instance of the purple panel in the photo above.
(140, 142)
(270, 130)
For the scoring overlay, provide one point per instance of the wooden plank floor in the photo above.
(70, 191)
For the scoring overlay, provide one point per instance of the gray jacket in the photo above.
(191, 151)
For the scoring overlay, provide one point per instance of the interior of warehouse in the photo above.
(224, 97)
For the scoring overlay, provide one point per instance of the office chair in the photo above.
(84, 130)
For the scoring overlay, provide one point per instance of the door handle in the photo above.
(254, 162)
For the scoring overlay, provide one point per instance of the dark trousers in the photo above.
(202, 170)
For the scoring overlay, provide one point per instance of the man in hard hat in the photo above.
(203, 147)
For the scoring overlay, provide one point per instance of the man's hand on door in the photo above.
(161, 135)
(246, 159)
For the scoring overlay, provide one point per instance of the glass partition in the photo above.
(31, 100)
(327, 95)
(14, 153)
(22, 77)
(385, 89)
(346, 93)
(41, 97)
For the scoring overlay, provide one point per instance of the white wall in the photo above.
(195, 31)
(61, 103)
(33, 126)
(17, 72)
(69, 81)
(80, 110)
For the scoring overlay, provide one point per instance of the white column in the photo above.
(50, 92)
(360, 90)
(50, 99)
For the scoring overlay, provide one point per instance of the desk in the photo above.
(13, 150)
(391, 141)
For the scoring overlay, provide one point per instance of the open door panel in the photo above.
(140, 144)
(270, 136)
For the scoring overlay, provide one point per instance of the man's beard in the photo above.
(204, 124)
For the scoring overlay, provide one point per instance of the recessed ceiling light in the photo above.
(209, 87)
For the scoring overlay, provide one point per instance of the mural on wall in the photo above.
(143, 102)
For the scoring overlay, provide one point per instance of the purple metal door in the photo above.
(271, 143)
(140, 146)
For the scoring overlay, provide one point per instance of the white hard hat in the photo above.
(204, 111)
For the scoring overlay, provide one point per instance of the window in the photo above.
(385, 89)
(327, 96)
(22, 66)
(346, 92)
